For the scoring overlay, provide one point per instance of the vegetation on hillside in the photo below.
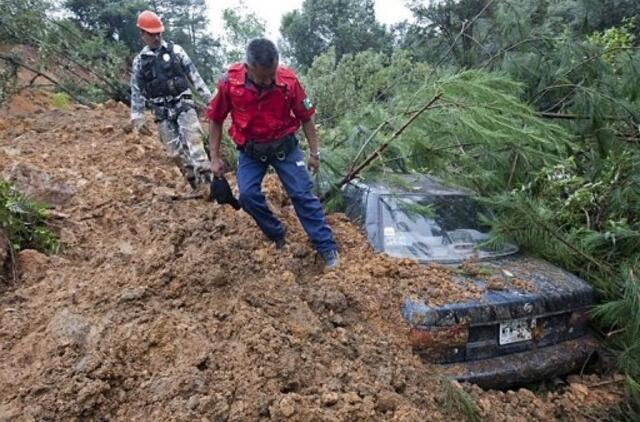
(23, 221)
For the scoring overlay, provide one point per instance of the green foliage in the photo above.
(23, 221)
(467, 33)
(614, 39)
(87, 46)
(8, 79)
(360, 80)
(20, 16)
(186, 24)
(77, 58)
(60, 100)
(115, 19)
(479, 133)
(458, 400)
(448, 29)
(240, 27)
(347, 26)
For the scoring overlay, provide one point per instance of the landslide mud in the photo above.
(164, 308)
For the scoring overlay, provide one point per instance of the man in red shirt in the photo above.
(267, 105)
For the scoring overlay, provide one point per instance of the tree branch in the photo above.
(465, 25)
(377, 153)
(570, 116)
(365, 143)
(17, 62)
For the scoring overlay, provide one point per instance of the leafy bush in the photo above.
(60, 100)
(23, 221)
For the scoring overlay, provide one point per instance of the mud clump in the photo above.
(165, 309)
(39, 184)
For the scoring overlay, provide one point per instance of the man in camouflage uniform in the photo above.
(161, 76)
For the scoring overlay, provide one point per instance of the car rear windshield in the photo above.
(436, 228)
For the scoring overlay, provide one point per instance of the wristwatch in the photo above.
(316, 155)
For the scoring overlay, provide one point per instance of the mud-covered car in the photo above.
(530, 322)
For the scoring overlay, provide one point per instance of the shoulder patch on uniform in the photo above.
(307, 103)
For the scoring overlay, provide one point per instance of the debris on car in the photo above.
(531, 322)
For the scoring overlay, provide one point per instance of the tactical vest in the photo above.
(163, 74)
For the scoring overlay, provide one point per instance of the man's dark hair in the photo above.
(262, 52)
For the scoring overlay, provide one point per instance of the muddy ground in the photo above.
(160, 308)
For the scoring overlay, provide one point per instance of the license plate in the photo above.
(516, 331)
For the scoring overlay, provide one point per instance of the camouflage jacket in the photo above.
(137, 97)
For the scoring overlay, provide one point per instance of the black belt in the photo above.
(161, 110)
(164, 101)
(267, 151)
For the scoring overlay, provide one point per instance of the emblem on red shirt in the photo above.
(307, 103)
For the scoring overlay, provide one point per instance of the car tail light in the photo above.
(439, 343)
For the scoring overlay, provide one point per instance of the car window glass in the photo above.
(442, 228)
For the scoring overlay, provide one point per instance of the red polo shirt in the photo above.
(260, 115)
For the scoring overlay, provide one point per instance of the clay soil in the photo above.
(163, 308)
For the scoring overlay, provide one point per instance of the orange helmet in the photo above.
(150, 22)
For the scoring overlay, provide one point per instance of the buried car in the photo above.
(531, 321)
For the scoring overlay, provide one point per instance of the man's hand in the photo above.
(309, 130)
(217, 166)
(313, 163)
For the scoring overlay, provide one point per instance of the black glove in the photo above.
(221, 193)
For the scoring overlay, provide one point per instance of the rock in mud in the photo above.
(39, 184)
(69, 328)
(31, 264)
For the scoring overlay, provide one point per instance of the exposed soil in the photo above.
(160, 308)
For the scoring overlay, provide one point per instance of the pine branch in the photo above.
(377, 153)
(513, 169)
(507, 49)
(366, 143)
(109, 83)
(465, 25)
(570, 116)
(594, 57)
(432, 150)
(44, 75)
(554, 233)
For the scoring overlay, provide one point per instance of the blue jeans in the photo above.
(296, 181)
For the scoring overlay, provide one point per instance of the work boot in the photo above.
(331, 259)
(192, 182)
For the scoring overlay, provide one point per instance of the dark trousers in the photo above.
(296, 181)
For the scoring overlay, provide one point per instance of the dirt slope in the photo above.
(165, 309)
